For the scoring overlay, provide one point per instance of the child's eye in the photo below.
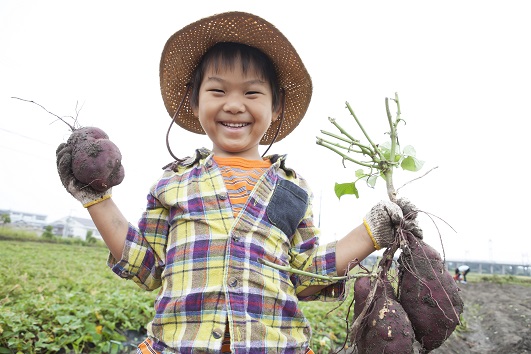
(215, 90)
(253, 93)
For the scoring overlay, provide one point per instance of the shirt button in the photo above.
(217, 334)
(233, 282)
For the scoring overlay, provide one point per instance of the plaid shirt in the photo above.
(205, 260)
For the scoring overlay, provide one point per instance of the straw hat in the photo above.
(184, 49)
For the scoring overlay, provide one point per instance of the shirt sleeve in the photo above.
(307, 255)
(144, 252)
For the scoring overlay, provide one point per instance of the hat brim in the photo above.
(184, 50)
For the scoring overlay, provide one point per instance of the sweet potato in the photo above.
(96, 160)
(385, 327)
(428, 293)
(362, 288)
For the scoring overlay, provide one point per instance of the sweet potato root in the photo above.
(428, 293)
(385, 327)
(96, 160)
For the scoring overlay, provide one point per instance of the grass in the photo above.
(63, 298)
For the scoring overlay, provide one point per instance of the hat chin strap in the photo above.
(173, 121)
(281, 117)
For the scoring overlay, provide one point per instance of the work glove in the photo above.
(410, 212)
(385, 217)
(81, 191)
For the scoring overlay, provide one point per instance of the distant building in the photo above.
(71, 226)
(23, 219)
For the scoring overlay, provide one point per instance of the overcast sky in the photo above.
(462, 70)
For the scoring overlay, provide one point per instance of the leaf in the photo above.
(385, 148)
(371, 181)
(409, 151)
(360, 173)
(342, 189)
(411, 163)
(65, 319)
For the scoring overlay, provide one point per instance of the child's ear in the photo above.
(277, 112)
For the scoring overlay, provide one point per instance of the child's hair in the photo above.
(226, 54)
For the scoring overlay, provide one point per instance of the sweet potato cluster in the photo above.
(426, 306)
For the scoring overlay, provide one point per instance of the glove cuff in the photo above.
(369, 231)
(96, 201)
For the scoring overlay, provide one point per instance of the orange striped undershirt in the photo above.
(240, 176)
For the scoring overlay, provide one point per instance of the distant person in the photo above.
(461, 272)
(457, 275)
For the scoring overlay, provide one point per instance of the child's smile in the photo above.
(235, 110)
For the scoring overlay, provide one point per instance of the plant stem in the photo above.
(313, 275)
(343, 131)
(344, 156)
(363, 148)
(375, 148)
(388, 173)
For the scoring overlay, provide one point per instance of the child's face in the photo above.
(235, 110)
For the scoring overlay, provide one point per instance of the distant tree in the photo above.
(5, 218)
(48, 232)
(89, 238)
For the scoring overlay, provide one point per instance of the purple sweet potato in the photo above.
(428, 293)
(362, 288)
(385, 327)
(96, 160)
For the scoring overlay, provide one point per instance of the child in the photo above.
(212, 217)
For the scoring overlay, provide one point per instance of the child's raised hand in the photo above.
(381, 222)
(410, 211)
(89, 165)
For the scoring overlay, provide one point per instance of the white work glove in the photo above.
(385, 217)
(410, 211)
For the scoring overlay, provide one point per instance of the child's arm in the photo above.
(111, 224)
(377, 231)
(357, 244)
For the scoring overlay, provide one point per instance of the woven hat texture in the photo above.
(184, 49)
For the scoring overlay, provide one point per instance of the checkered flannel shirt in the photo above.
(206, 261)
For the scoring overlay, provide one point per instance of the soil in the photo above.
(497, 319)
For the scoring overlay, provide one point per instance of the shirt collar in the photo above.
(203, 157)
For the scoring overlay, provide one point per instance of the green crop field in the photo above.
(63, 298)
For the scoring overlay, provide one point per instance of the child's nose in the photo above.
(234, 104)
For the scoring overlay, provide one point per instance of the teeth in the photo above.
(235, 125)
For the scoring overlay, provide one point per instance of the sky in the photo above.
(461, 70)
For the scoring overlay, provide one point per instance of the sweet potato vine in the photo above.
(375, 159)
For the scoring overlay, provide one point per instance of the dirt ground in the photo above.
(497, 317)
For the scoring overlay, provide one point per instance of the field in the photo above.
(497, 317)
(62, 298)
